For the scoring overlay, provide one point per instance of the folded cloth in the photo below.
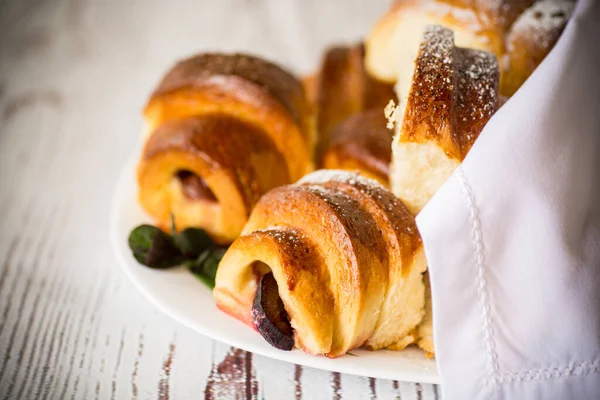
(513, 238)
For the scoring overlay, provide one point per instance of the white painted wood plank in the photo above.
(74, 76)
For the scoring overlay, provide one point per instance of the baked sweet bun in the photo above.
(342, 88)
(453, 93)
(531, 38)
(223, 130)
(208, 172)
(347, 259)
(246, 87)
(392, 45)
(362, 143)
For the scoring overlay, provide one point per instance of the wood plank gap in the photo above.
(419, 389)
(164, 389)
(396, 387)
(336, 385)
(298, 382)
(372, 389)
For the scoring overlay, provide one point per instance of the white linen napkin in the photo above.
(513, 238)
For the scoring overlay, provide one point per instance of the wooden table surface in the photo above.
(74, 76)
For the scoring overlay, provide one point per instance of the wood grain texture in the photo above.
(74, 75)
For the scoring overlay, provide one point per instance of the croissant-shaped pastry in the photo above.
(341, 88)
(347, 259)
(453, 93)
(246, 87)
(208, 172)
(363, 142)
(224, 129)
(392, 45)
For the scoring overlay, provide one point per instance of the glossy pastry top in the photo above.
(224, 143)
(379, 202)
(454, 92)
(234, 72)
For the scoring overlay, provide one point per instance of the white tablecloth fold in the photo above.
(513, 238)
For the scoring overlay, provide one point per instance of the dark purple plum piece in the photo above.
(269, 316)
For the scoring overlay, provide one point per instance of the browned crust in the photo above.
(498, 21)
(298, 255)
(454, 93)
(225, 143)
(347, 236)
(334, 232)
(389, 212)
(365, 139)
(361, 230)
(222, 69)
(344, 88)
(339, 89)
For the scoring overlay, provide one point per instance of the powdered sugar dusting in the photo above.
(437, 43)
(477, 94)
(477, 90)
(327, 175)
(542, 22)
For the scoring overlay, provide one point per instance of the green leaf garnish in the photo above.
(205, 266)
(153, 247)
(192, 247)
(192, 242)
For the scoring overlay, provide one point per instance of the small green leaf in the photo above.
(205, 266)
(154, 248)
(192, 242)
(211, 263)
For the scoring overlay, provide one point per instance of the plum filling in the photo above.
(269, 316)
(194, 187)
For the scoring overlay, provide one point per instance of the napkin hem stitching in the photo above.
(584, 368)
(482, 292)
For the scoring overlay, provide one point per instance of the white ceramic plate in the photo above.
(182, 296)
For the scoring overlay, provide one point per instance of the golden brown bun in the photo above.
(454, 92)
(363, 142)
(223, 130)
(479, 24)
(531, 37)
(392, 45)
(342, 88)
(236, 161)
(346, 256)
(247, 88)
